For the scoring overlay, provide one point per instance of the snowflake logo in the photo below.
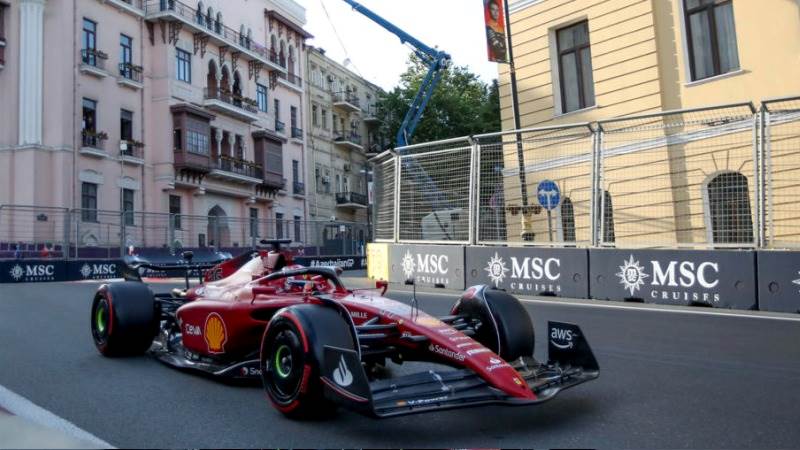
(496, 269)
(408, 264)
(86, 271)
(632, 275)
(17, 272)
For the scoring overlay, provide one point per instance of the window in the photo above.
(89, 38)
(125, 56)
(575, 67)
(127, 206)
(175, 211)
(278, 226)
(197, 143)
(318, 179)
(293, 116)
(277, 106)
(298, 229)
(295, 171)
(567, 220)
(177, 139)
(609, 235)
(89, 115)
(89, 202)
(315, 115)
(125, 125)
(183, 69)
(729, 209)
(711, 36)
(324, 118)
(261, 97)
(253, 222)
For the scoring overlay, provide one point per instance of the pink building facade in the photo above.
(189, 108)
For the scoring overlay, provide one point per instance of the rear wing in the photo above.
(187, 264)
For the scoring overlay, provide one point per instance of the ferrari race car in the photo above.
(316, 344)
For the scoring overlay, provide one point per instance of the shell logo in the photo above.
(215, 334)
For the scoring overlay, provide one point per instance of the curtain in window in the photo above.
(726, 37)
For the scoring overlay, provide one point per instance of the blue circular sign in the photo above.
(548, 194)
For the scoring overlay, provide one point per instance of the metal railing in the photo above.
(232, 99)
(280, 127)
(298, 188)
(31, 232)
(238, 167)
(93, 139)
(93, 57)
(344, 198)
(132, 149)
(297, 133)
(347, 136)
(290, 77)
(346, 97)
(714, 177)
(131, 72)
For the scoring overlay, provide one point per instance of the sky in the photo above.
(455, 26)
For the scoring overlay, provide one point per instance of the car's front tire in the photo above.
(123, 319)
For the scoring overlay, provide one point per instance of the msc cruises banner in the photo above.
(720, 279)
(558, 272)
(428, 265)
(494, 15)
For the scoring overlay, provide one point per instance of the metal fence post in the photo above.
(397, 182)
(67, 233)
(474, 191)
(766, 176)
(759, 188)
(171, 232)
(596, 156)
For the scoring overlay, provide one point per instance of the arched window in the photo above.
(211, 79)
(291, 59)
(729, 212)
(237, 89)
(210, 19)
(568, 220)
(607, 213)
(242, 36)
(249, 38)
(199, 16)
(218, 25)
(282, 54)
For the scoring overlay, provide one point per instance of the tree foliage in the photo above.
(461, 105)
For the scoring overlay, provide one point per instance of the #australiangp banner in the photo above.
(495, 30)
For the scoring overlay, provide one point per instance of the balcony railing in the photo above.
(299, 188)
(93, 139)
(131, 72)
(297, 133)
(346, 97)
(131, 149)
(94, 58)
(344, 198)
(248, 104)
(239, 167)
(280, 127)
(351, 137)
(274, 180)
(291, 78)
(190, 14)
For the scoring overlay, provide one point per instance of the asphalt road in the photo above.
(667, 381)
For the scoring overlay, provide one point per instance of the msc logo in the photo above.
(37, 272)
(563, 339)
(425, 263)
(537, 269)
(632, 275)
(676, 274)
(98, 270)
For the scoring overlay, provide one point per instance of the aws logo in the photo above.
(563, 339)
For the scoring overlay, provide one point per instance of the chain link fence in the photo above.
(713, 177)
(34, 232)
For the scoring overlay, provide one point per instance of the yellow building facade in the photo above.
(684, 179)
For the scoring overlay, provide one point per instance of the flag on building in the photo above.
(495, 30)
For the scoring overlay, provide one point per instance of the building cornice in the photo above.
(519, 5)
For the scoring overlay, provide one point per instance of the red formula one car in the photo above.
(316, 344)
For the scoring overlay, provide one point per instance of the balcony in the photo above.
(131, 152)
(280, 127)
(236, 170)
(236, 106)
(346, 101)
(291, 80)
(352, 200)
(133, 7)
(130, 76)
(299, 189)
(274, 180)
(297, 133)
(191, 162)
(370, 115)
(93, 143)
(93, 62)
(345, 140)
(220, 35)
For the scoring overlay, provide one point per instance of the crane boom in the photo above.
(436, 61)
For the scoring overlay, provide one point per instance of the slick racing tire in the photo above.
(292, 352)
(505, 326)
(123, 320)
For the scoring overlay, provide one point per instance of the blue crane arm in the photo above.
(436, 61)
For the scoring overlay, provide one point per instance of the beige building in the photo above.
(342, 133)
(684, 179)
(182, 107)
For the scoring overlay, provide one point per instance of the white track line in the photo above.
(24, 408)
(644, 307)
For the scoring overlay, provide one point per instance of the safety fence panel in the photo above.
(434, 196)
(782, 172)
(684, 178)
(32, 231)
(546, 203)
(384, 188)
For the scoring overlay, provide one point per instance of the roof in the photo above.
(272, 14)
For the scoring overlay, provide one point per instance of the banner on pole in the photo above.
(494, 15)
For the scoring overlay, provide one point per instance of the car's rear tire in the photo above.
(292, 352)
(505, 326)
(123, 319)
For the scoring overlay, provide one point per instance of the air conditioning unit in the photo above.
(347, 167)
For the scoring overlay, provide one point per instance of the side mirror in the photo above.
(383, 285)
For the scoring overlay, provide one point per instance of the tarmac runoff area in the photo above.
(671, 377)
